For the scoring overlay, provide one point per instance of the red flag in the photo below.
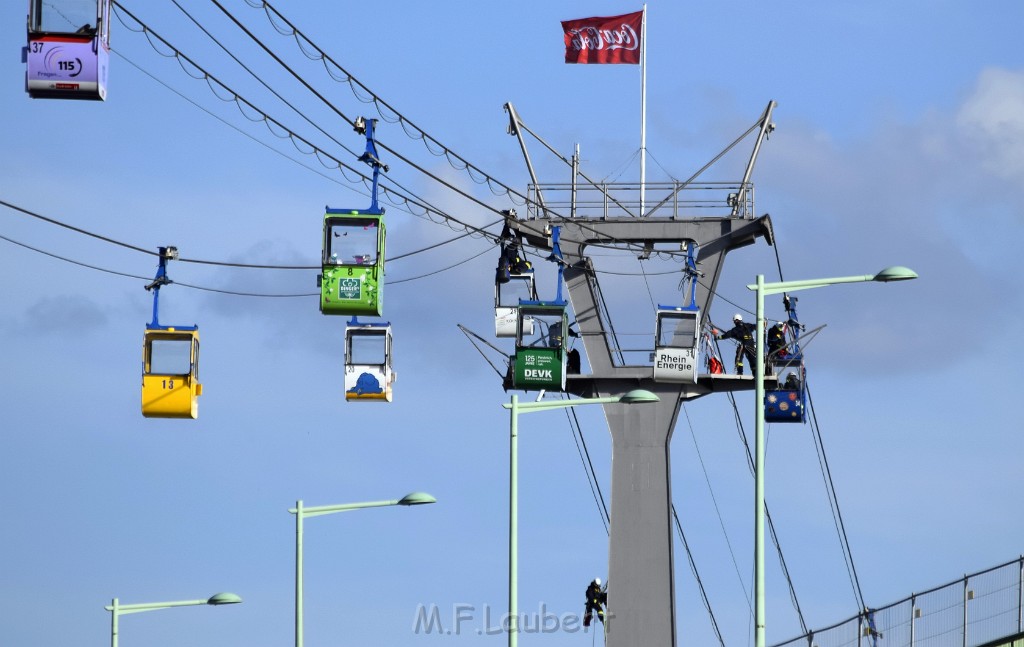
(611, 39)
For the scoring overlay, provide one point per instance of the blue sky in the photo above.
(899, 140)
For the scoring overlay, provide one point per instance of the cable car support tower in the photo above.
(641, 599)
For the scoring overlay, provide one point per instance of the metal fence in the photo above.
(974, 610)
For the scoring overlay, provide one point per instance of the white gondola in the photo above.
(677, 329)
(675, 347)
(368, 372)
(507, 295)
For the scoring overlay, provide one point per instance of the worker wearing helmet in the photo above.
(596, 599)
(776, 340)
(743, 333)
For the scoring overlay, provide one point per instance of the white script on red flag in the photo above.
(612, 39)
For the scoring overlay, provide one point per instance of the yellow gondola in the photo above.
(170, 359)
(170, 372)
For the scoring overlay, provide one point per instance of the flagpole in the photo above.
(643, 108)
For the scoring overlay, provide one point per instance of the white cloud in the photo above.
(992, 121)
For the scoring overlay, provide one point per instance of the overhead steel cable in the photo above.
(768, 517)
(718, 511)
(375, 99)
(588, 467)
(262, 82)
(77, 229)
(696, 576)
(347, 119)
(837, 517)
(241, 101)
(830, 489)
(142, 250)
(69, 260)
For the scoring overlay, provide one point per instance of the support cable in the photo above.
(837, 516)
(315, 150)
(771, 524)
(696, 576)
(718, 511)
(333, 108)
(378, 102)
(830, 489)
(588, 467)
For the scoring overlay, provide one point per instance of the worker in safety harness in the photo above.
(743, 333)
(776, 338)
(596, 599)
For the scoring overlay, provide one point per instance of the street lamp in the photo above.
(516, 407)
(896, 273)
(300, 512)
(117, 609)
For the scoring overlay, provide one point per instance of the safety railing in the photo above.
(675, 200)
(974, 610)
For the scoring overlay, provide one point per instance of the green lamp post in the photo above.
(117, 609)
(516, 407)
(301, 512)
(763, 289)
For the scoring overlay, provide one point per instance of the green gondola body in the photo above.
(352, 281)
(541, 346)
(538, 368)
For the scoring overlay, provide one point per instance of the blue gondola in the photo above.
(68, 49)
(786, 359)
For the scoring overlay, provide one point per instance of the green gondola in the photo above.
(352, 277)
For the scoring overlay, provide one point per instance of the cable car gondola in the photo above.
(676, 333)
(507, 297)
(68, 50)
(513, 282)
(352, 277)
(542, 338)
(786, 358)
(368, 373)
(170, 359)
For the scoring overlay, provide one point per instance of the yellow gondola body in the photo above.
(170, 372)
